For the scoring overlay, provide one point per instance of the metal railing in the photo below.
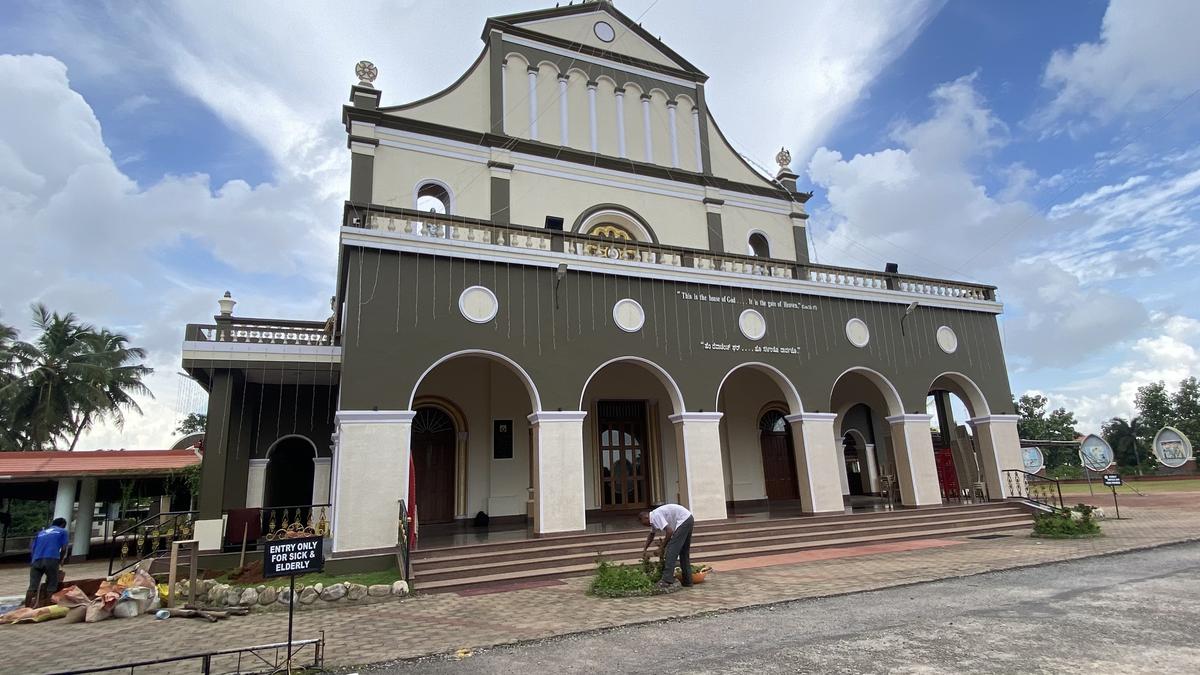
(257, 661)
(481, 232)
(148, 538)
(405, 538)
(1034, 488)
(264, 331)
(303, 520)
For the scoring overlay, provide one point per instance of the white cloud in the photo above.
(1147, 56)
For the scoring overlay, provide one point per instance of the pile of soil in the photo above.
(248, 575)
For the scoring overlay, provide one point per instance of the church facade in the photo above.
(561, 292)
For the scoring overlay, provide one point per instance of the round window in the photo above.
(604, 31)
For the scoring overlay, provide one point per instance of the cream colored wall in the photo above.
(660, 128)
(580, 28)
(398, 170)
(738, 222)
(548, 120)
(606, 117)
(516, 96)
(466, 107)
(725, 161)
(578, 119)
(634, 149)
(676, 221)
(685, 127)
(484, 390)
(628, 381)
(743, 396)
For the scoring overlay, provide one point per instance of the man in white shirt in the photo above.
(675, 522)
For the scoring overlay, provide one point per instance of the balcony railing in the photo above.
(473, 231)
(264, 331)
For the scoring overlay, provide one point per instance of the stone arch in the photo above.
(790, 393)
(531, 388)
(623, 215)
(965, 388)
(435, 188)
(289, 472)
(285, 437)
(891, 397)
(658, 371)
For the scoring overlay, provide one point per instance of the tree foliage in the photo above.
(194, 423)
(1156, 409)
(59, 385)
(1038, 424)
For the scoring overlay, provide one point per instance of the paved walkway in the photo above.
(447, 622)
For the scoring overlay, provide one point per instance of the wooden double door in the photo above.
(778, 457)
(624, 454)
(434, 441)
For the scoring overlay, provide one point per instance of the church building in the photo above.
(561, 295)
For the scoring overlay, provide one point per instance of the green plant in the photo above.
(622, 581)
(1075, 522)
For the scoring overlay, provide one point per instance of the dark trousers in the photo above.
(48, 567)
(679, 548)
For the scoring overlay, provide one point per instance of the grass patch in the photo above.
(1147, 486)
(622, 581)
(1074, 523)
(364, 578)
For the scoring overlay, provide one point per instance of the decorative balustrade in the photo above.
(1035, 488)
(468, 230)
(148, 538)
(289, 522)
(264, 331)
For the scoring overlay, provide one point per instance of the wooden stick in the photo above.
(242, 560)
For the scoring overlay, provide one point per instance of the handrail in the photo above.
(410, 222)
(149, 537)
(1034, 488)
(205, 658)
(264, 331)
(404, 537)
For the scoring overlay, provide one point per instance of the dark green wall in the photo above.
(402, 316)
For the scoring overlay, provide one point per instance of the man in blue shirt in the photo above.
(49, 548)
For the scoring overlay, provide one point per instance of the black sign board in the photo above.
(502, 439)
(288, 557)
(1112, 479)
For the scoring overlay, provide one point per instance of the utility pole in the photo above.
(1133, 425)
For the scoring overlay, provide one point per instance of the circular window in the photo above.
(629, 315)
(857, 332)
(604, 31)
(478, 304)
(947, 340)
(752, 324)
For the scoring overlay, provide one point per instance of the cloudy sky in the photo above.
(154, 155)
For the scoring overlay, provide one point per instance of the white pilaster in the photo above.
(817, 462)
(558, 488)
(371, 477)
(64, 500)
(999, 450)
(563, 134)
(504, 97)
(621, 122)
(321, 472)
(591, 88)
(872, 469)
(701, 478)
(256, 483)
(916, 470)
(647, 136)
(82, 536)
(533, 103)
(674, 137)
(696, 135)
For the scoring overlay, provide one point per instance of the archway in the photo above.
(863, 400)
(953, 400)
(470, 441)
(778, 456)
(289, 474)
(630, 457)
(854, 459)
(758, 452)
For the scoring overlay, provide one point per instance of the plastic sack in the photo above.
(143, 579)
(76, 614)
(26, 615)
(141, 596)
(16, 615)
(99, 610)
(70, 597)
(126, 609)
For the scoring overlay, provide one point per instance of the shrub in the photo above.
(1077, 521)
(622, 581)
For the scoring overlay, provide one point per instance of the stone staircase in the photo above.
(507, 562)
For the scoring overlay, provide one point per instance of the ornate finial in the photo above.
(784, 158)
(366, 72)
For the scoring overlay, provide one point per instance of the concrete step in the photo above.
(579, 569)
(712, 546)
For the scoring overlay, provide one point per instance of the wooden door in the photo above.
(778, 457)
(433, 450)
(947, 475)
(624, 460)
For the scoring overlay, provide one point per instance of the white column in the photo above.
(591, 87)
(256, 483)
(817, 462)
(82, 536)
(321, 471)
(371, 477)
(674, 138)
(701, 478)
(533, 103)
(696, 134)
(558, 488)
(999, 450)
(621, 122)
(916, 470)
(504, 97)
(64, 500)
(110, 520)
(646, 134)
(872, 469)
(563, 135)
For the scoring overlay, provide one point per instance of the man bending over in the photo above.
(675, 523)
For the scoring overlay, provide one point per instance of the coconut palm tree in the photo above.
(1122, 436)
(113, 382)
(8, 435)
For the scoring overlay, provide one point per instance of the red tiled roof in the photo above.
(55, 464)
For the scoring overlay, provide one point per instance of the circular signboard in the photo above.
(1095, 453)
(1033, 459)
(1171, 447)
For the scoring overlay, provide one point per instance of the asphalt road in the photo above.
(1136, 612)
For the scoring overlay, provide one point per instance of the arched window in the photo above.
(433, 196)
(773, 422)
(759, 247)
(612, 230)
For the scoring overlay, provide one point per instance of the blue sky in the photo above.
(154, 155)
